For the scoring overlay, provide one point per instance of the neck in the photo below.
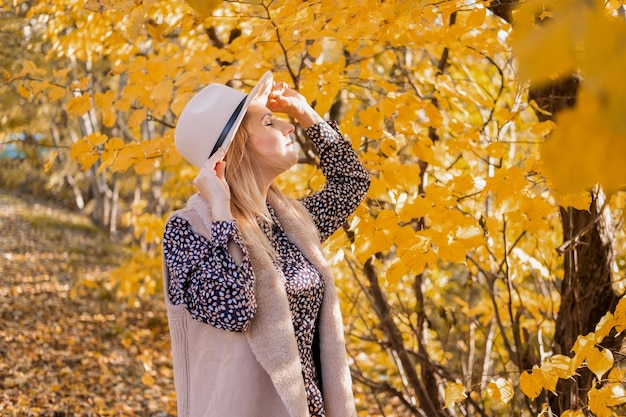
(264, 181)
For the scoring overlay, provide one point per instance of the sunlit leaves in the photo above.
(56, 92)
(593, 144)
(620, 315)
(571, 37)
(118, 5)
(501, 390)
(586, 352)
(599, 361)
(114, 154)
(109, 154)
(83, 150)
(603, 399)
(80, 105)
(454, 393)
(573, 413)
(29, 68)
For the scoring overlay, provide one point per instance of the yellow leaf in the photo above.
(422, 148)
(463, 184)
(620, 315)
(110, 152)
(542, 128)
(145, 166)
(529, 384)
(81, 84)
(51, 158)
(137, 117)
(580, 201)
(56, 93)
(546, 51)
(501, 390)
(586, 162)
(109, 116)
(582, 346)
(548, 378)
(97, 138)
(316, 49)
(476, 18)
(77, 106)
(559, 365)
(454, 252)
(155, 29)
(82, 151)
(599, 361)
(609, 395)
(162, 91)
(396, 271)
(104, 100)
(61, 73)
(604, 326)
(23, 91)
(147, 380)
(454, 393)
(388, 146)
(204, 7)
(573, 413)
(495, 149)
(29, 68)
(117, 5)
(114, 144)
(124, 158)
(79, 147)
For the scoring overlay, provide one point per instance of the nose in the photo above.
(287, 128)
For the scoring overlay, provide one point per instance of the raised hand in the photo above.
(283, 99)
(213, 187)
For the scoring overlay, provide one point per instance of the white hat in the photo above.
(211, 118)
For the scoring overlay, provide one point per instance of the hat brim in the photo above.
(260, 93)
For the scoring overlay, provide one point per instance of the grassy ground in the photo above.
(68, 349)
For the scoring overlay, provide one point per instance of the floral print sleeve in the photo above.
(204, 277)
(347, 181)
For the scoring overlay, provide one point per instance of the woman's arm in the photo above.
(347, 181)
(204, 277)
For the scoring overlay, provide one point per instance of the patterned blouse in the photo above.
(226, 300)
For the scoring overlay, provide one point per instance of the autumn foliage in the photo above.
(452, 271)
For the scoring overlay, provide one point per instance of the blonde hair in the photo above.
(246, 199)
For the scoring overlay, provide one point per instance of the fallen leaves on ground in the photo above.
(68, 350)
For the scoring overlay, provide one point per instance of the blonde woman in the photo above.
(252, 307)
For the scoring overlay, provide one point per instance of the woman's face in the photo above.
(271, 141)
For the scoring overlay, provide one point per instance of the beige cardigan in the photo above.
(257, 373)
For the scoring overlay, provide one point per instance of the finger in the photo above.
(220, 168)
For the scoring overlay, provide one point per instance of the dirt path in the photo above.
(68, 350)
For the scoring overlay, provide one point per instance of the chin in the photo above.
(290, 157)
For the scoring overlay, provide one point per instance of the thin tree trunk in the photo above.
(428, 401)
(69, 178)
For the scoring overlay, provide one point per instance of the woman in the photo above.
(252, 307)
